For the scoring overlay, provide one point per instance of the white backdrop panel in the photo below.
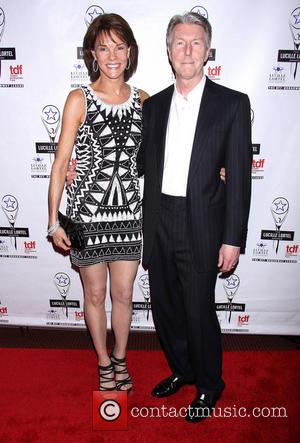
(40, 63)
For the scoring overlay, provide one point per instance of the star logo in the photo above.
(62, 279)
(9, 203)
(51, 114)
(92, 12)
(280, 206)
(231, 281)
(144, 279)
(51, 118)
(297, 17)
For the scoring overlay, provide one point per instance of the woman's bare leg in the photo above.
(122, 275)
(94, 283)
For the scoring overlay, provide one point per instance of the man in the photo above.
(194, 224)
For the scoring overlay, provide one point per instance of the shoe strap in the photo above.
(122, 363)
(121, 383)
(104, 373)
(119, 362)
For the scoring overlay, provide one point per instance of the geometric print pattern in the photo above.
(105, 196)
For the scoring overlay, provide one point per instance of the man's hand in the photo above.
(223, 175)
(71, 173)
(228, 258)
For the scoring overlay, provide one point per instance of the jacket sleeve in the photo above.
(238, 164)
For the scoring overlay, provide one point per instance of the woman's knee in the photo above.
(122, 295)
(95, 295)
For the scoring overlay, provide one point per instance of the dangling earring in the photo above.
(128, 64)
(95, 68)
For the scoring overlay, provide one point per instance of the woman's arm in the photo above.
(72, 118)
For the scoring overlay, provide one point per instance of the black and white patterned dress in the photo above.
(105, 196)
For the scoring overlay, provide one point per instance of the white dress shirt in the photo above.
(179, 139)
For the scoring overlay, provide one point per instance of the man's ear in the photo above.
(207, 55)
(169, 54)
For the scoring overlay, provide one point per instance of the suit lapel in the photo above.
(206, 116)
(162, 115)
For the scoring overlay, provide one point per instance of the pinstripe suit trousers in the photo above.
(183, 303)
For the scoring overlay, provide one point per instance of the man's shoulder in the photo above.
(224, 90)
(161, 95)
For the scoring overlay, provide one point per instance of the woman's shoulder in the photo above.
(75, 105)
(76, 95)
(75, 99)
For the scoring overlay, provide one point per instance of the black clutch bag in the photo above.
(73, 230)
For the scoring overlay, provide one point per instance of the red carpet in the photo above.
(46, 396)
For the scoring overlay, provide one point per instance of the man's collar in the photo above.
(195, 94)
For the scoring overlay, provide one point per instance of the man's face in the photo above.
(188, 51)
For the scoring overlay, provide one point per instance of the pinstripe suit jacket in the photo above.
(217, 212)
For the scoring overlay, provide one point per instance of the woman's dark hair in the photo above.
(108, 23)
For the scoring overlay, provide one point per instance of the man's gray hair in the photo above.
(189, 18)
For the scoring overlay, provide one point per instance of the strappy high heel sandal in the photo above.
(106, 375)
(120, 368)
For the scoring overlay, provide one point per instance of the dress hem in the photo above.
(108, 259)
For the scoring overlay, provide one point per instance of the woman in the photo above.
(103, 122)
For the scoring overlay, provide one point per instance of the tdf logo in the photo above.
(16, 70)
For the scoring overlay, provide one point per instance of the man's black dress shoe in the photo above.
(169, 386)
(201, 407)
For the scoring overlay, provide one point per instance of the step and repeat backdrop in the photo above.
(255, 49)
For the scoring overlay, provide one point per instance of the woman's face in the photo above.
(111, 54)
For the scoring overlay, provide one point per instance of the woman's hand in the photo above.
(223, 175)
(61, 240)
